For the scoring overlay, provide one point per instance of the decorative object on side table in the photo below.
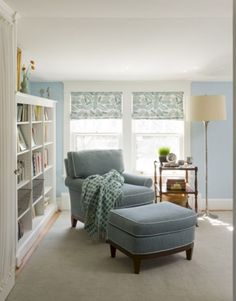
(207, 108)
(180, 162)
(171, 157)
(25, 77)
(163, 152)
(189, 160)
(176, 184)
(171, 160)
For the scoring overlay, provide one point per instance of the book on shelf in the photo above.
(46, 114)
(46, 137)
(22, 112)
(21, 171)
(45, 157)
(19, 112)
(33, 212)
(36, 113)
(37, 163)
(21, 142)
(33, 137)
(20, 229)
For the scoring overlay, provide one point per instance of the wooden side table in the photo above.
(160, 188)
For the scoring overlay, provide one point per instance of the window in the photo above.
(95, 120)
(157, 121)
(95, 133)
(149, 135)
(150, 120)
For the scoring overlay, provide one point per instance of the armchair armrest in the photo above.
(74, 184)
(137, 180)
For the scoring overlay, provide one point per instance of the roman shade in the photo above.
(96, 105)
(158, 105)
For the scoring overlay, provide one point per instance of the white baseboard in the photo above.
(214, 204)
(218, 204)
(7, 285)
(64, 201)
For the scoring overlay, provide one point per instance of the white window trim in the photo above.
(115, 134)
(127, 88)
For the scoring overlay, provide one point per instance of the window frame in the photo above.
(127, 88)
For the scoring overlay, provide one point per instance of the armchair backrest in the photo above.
(82, 164)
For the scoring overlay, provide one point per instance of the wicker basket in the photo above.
(37, 188)
(179, 199)
(23, 200)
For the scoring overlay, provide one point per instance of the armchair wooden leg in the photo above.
(113, 251)
(136, 263)
(73, 222)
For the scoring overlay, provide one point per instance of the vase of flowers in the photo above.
(25, 77)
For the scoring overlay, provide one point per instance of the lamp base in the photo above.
(207, 214)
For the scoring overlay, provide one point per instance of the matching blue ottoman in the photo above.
(151, 231)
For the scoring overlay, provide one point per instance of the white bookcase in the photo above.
(36, 185)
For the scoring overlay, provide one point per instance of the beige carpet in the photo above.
(67, 265)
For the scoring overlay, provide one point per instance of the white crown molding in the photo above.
(8, 13)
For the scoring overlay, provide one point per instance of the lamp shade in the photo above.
(207, 108)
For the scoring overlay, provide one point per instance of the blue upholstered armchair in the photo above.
(136, 190)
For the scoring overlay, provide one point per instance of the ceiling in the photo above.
(126, 39)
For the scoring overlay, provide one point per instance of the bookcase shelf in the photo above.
(47, 189)
(22, 122)
(23, 152)
(48, 167)
(36, 147)
(23, 213)
(37, 175)
(37, 200)
(48, 143)
(36, 197)
(37, 121)
(22, 184)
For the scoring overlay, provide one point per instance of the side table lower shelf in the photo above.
(176, 196)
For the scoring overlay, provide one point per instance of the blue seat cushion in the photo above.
(152, 219)
(135, 195)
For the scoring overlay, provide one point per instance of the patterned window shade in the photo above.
(158, 105)
(96, 105)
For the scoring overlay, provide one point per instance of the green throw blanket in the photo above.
(99, 195)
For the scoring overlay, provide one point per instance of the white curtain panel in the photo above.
(7, 153)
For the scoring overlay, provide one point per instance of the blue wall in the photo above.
(220, 139)
(56, 93)
(220, 143)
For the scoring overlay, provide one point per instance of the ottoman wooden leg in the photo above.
(189, 254)
(136, 262)
(113, 251)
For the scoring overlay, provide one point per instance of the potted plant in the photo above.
(163, 152)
